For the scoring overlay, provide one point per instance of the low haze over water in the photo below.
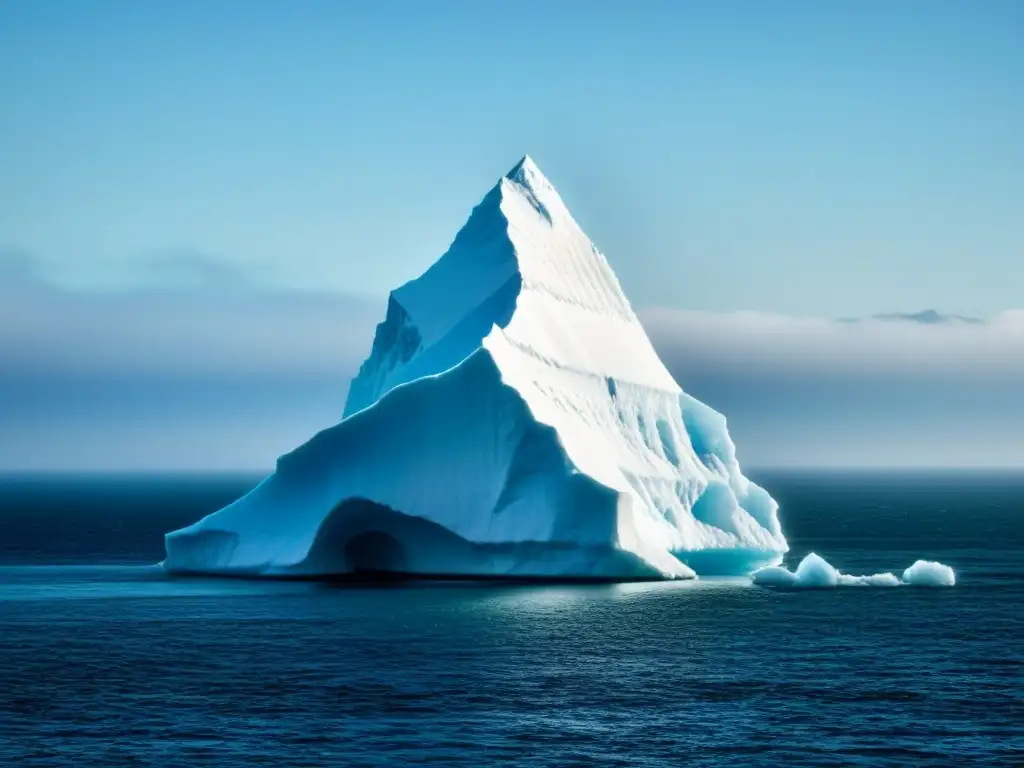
(106, 661)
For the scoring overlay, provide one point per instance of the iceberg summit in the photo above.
(511, 421)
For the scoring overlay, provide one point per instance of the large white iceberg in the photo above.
(512, 420)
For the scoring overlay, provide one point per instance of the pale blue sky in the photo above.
(836, 158)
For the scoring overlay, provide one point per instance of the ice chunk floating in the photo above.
(924, 573)
(815, 571)
(511, 420)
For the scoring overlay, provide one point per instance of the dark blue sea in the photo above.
(105, 661)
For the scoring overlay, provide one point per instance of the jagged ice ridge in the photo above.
(512, 420)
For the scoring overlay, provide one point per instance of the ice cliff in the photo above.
(512, 420)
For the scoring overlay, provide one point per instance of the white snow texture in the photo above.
(815, 572)
(512, 420)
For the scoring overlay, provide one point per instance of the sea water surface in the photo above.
(106, 661)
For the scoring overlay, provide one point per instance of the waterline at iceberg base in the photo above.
(512, 420)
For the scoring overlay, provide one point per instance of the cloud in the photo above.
(776, 346)
(178, 327)
(19, 271)
(212, 369)
(187, 269)
(186, 312)
(927, 317)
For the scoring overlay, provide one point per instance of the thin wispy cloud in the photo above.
(217, 370)
(185, 312)
(766, 345)
(193, 317)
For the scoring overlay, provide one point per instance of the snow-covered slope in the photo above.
(512, 419)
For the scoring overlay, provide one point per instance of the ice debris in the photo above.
(816, 572)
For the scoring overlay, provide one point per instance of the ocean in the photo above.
(105, 661)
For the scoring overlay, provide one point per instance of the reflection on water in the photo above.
(45, 582)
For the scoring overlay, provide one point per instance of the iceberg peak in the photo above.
(528, 179)
(526, 168)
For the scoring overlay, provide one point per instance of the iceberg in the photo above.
(816, 572)
(512, 420)
(926, 573)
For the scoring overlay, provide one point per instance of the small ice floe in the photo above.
(925, 573)
(816, 572)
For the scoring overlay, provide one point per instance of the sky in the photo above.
(203, 206)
